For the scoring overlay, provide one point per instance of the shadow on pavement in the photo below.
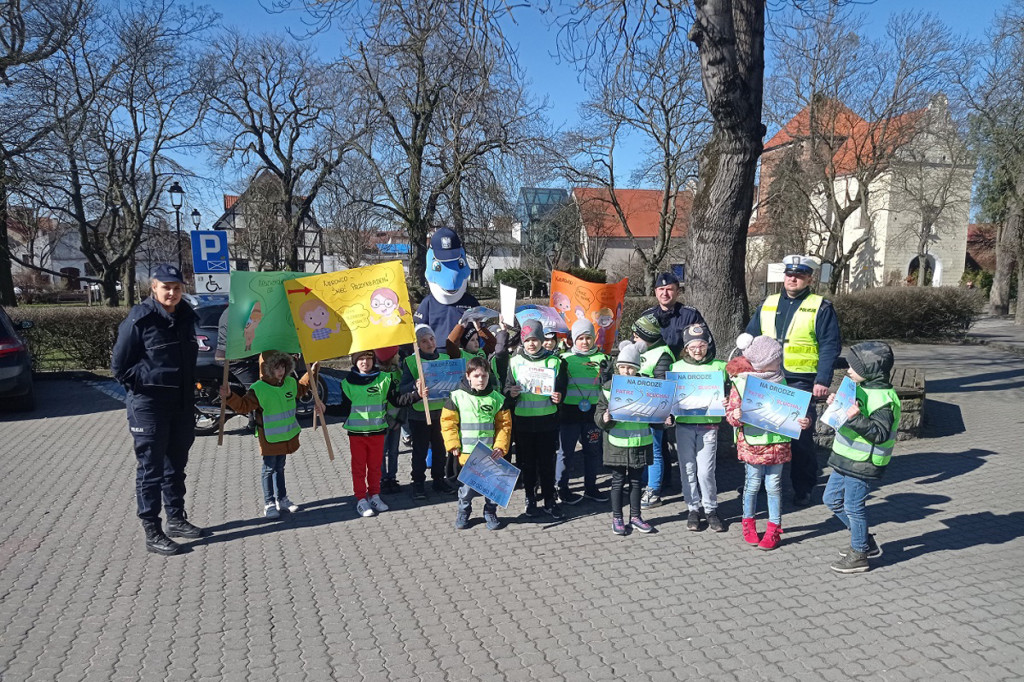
(934, 467)
(990, 381)
(64, 397)
(941, 419)
(961, 532)
(895, 508)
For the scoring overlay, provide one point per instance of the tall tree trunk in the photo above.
(108, 280)
(729, 35)
(1006, 253)
(128, 281)
(7, 298)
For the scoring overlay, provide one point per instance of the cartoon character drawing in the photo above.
(386, 311)
(604, 319)
(255, 317)
(315, 315)
(447, 278)
(561, 303)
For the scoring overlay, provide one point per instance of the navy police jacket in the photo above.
(155, 354)
(442, 317)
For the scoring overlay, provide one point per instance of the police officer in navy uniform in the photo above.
(673, 317)
(808, 329)
(155, 360)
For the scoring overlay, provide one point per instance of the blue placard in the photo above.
(443, 376)
(494, 478)
(640, 399)
(773, 407)
(698, 394)
(210, 252)
(846, 397)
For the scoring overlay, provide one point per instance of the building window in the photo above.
(242, 264)
(476, 275)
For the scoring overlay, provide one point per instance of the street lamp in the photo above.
(196, 217)
(177, 199)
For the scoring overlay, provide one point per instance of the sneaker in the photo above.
(874, 551)
(851, 562)
(595, 495)
(554, 511)
(618, 526)
(650, 499)
(461, 520)
(491, 519)
(715, 523)
(641, 525)
(693, 520)
(567, 497)
(531, 509)
(270, 511)
(407, 441)
(285, 504)
(419, 491)
(378, 504)
(363, 508)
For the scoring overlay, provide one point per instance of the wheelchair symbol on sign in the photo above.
(212, 285)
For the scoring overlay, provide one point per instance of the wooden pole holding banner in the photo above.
(224, 382)
(419, 370)
(323, 420)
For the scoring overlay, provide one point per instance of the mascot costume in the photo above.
(447, 277)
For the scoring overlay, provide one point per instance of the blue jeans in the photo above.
(846, 496)
(653, 473)
(389, 465)
(589, 436)
(771, 474)
(273, 479)
(466, 495)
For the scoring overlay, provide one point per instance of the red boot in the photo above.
(750, 531)
(772, 537)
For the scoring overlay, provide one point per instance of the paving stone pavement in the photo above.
(323, 594)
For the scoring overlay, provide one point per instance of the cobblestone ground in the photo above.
(323, 594)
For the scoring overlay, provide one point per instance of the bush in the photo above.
(64, 338)
(632, 308)
(908, 313)
(526, 281)
(595, 275)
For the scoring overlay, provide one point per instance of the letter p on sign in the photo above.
(210, 252)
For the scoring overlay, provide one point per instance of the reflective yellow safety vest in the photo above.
(584, 377)
(628, 434)
(369, 404)
(532, 404)
(800, 345)
(278, 405)
(650, 357)
(435, 403)
(476, 419)
(684, 366)
(752, 434)
(853, 446)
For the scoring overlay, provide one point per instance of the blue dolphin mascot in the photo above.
(447, 277)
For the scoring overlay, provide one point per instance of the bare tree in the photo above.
(995, 95)
(280, 109)
(351, 227)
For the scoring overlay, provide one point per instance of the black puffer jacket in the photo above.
(155, 354)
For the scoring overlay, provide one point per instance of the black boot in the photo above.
(157, 542)
(179, 527)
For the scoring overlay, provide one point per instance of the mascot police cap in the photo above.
(447, 267)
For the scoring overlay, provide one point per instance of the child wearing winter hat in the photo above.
(536, 417)
(627, 447)
(861, 450)
(584, 364)
(656, 359)
(366, 393)
(762, 452)
(697, 436)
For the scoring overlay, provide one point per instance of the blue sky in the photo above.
(557, 81)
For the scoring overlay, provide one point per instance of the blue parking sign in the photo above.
(210, 252)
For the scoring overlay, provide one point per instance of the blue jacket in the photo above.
(155, 354)
(674, 321)
(826, 329)
(441, 317)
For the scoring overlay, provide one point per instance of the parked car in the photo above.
(207, 317)
(16, 387)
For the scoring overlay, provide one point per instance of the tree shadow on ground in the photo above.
(972, 383)
(961, 532)
(934, 467)
(895, 508)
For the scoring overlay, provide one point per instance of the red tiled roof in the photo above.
(758, 228)
(830, 111)
(229, 201)
(981, 245)
(868, 139)
(640, 206)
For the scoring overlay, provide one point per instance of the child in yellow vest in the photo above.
(273, 399)
(475, 412)
(861, 450)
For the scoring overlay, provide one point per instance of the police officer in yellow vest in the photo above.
(808, 329)
(862, 449)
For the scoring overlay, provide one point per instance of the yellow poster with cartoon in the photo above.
(575, 298)
(348, 311)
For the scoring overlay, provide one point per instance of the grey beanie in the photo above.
(532, 329)
(582, 326)
(762, 351)
(629, 354)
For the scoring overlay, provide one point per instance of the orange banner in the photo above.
(574, 298)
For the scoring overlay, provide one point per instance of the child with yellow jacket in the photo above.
(476, 413)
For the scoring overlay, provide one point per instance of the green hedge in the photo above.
(63, 338)
(908, 313)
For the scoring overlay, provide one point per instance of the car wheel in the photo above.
(206, 424)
